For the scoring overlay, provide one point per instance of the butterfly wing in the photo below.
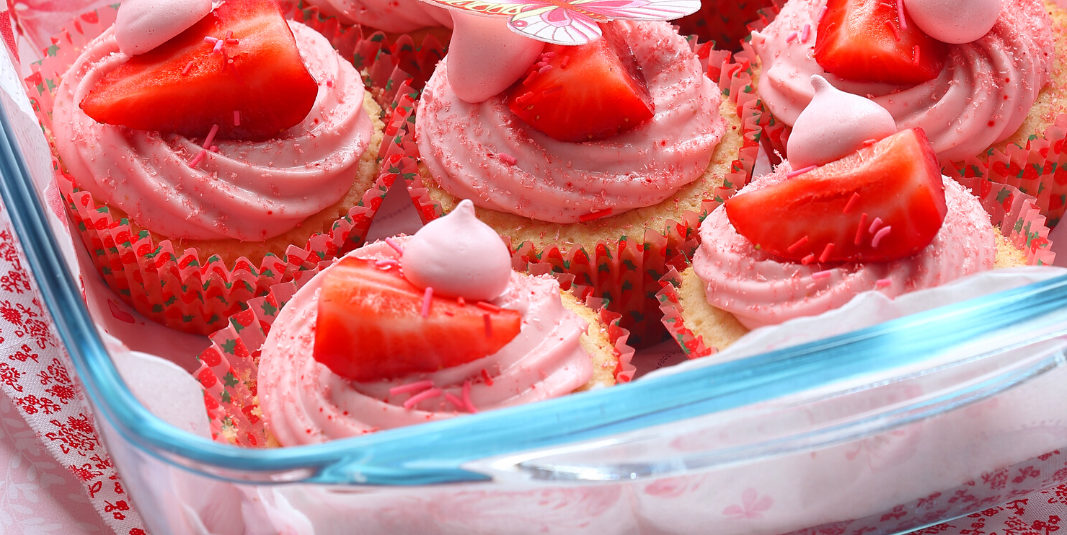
(637, 9)
(487, 8)
(553, 24)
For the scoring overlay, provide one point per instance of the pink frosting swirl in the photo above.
(485, 153)
(387, 15)
(981, 96)
(761, 290)
(304, 402)
(247, 190)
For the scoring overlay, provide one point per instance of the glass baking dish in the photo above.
(883, 430)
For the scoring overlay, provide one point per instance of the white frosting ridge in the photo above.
(248, 191)
(304, 402)
(485, 153)
(982, 95)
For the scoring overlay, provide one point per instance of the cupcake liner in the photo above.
(728, 22)
(1014, 213)
(168, 284)
(625, 272)
(228, 368)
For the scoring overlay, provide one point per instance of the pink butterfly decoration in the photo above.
(572, 22)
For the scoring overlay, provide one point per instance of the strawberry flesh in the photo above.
(863, 41)
(370, 326)
(896, 180)
(183, 86)
(584, 93)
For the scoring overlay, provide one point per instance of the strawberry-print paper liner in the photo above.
(625, 272)
(228, 368)
(179, 287)
(1013, 212)
(728, 22)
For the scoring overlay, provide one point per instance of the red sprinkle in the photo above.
(427, 301)
(800, 243)
(455, 401)
(808, 259)
(396, 246)
(900, 15)
(210, 136)
(487, 306)
(236, 118)
(198, 158)
(485, 377)
(467, 398)
(488, 326)
(507, 159)
(461, 301)
(826, 252)
(529, 78)
(893, 28)
(882, 283)
(798, 172)
(411, 387)
(427, 394)
(915, 60)
(881, 234)
(821, 274)
(188, 66)
(870, 142)
(595, 215)
(861, 228)
(564, 62)
(852, 203)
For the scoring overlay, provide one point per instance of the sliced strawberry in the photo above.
(864, 41)
(894, 183)
(370, 326)
(183, 86)
(584, 93)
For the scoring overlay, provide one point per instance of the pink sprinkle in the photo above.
(875, 225)
(798, 172)
(211, 40)
(805, 34)
(467, 397)
(417, 398)
(822, 13)
(870, 142)
(821, 274)
(881, 234)
(852, 203)
(882, 283)
(792, 36)
(198, 158)
(488, 326)
(396, 246)
(218, 46)
(544, 69)
(427, 300)
(900, 15)
(385, 263)
(236, 117)
(188, 66)
(211, 135)
(455, 401)
(507, 158)
(411, 387)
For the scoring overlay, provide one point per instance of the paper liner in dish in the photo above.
(625, 272)
(228, 368)
(728, 22)
(166, 283)
(1014, 213)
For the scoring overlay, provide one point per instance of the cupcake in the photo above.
(586, 157)
(228, 134)
(858, 207)
(390, 16)
(973, 74)
(726, 22)
(418, 329)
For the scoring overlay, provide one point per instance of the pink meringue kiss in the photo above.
(954, 21)
(834, 125)
(145, 24)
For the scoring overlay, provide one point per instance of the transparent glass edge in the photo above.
(434, 453)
